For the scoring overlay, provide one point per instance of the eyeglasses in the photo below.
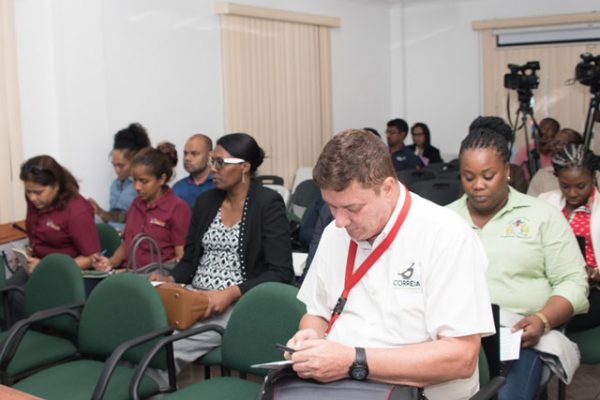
(219, 162)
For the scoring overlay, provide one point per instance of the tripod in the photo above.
(525, 110)
(592, 112)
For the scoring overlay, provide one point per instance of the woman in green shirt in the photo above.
(535, 267)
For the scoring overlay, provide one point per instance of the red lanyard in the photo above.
(353, 278)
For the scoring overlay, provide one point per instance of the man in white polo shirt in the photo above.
(407, 277)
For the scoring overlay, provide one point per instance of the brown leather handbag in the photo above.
(183, 306)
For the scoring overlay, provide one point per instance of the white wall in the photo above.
(89, 67)
(436, 59)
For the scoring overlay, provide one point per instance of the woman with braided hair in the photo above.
(579, 201)
(535, 267)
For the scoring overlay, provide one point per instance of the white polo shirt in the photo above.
(429, 283)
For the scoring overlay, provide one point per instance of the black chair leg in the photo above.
(207, 372)
(562, 390)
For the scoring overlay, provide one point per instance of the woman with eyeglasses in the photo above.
(59, 219)
(579, 201)
(127, 143)
(238, 238)
(156, 211)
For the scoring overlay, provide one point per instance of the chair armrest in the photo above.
(143, 365)
(9, 347)
(12, 288)
(115, 357)
(489, 390)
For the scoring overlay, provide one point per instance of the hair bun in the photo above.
(168, 149)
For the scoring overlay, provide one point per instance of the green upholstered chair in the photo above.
(484, 369)
(589, 347)
(3, 297)
(210, 359)
(267, 314)
(55, 282)
(110, 240)
(121, 319)
(587, 341)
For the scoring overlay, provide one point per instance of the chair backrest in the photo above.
(55, 281)
(440, 191)
(306, 192)
(411, 176)
(121, 307)
(449, 174)
(109, 239)
(302, 174)
(491, 345)
(267, 314)
(484, 369)
(437, 168)
(282, 190)
(3, 300)
(269, 179)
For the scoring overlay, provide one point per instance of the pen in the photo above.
(284, 348)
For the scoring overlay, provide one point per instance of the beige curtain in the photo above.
(558, 95)
(12, 203)
(277, 87)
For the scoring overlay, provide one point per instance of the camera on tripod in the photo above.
(587, 72)
(522, 77)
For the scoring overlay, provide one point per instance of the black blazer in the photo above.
(430, 152)
(265, 247)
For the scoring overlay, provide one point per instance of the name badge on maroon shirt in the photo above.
(52, 225)
(158, 222)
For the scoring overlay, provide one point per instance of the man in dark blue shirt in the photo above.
(402, 157)
(195, 161)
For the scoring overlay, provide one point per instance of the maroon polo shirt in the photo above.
(70, 231)
(166, 221)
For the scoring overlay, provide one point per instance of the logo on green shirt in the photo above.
(518, 227)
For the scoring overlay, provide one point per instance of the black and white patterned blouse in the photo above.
(219, 266)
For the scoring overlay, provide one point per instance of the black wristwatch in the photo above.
(359, 370)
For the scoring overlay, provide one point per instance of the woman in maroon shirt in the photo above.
(156, 211)
(59, 219)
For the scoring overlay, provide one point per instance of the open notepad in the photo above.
(22, 256)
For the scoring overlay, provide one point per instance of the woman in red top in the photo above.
(156, 211)
(579, 201)
(59, 219)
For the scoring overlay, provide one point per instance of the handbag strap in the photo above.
(135, 243)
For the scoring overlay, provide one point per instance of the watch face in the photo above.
(359, 372)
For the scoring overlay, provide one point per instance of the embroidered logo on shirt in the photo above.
(518, 228)
(52, 225)
(158, 222)
(406, 278)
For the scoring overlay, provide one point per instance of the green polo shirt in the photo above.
(533, 254)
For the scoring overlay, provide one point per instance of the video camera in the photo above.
(587, 72)
(522, 77)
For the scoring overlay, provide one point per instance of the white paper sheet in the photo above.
(510, 344)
